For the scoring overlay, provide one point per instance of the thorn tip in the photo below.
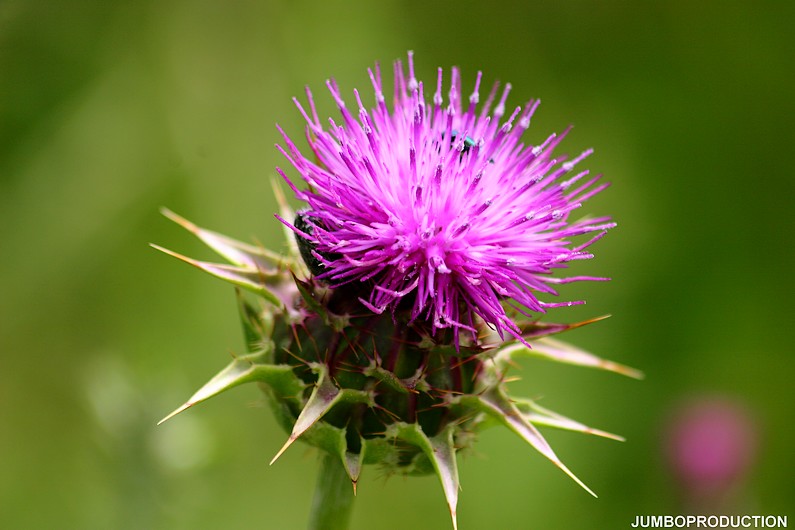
(177, 411)
(287, 444)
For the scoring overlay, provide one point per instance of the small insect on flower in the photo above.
(418, 267)
(304, 230)
(469, 142)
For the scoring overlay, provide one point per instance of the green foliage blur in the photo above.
(110, 110)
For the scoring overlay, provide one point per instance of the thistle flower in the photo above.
(428, 232)
(439, 206)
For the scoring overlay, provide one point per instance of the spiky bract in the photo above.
(370, 388)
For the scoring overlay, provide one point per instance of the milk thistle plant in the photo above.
(416, 272)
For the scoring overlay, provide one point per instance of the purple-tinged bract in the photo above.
(439, 206)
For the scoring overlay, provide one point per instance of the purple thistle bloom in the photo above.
(439, 205)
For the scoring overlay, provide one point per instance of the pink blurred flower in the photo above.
(711, 445)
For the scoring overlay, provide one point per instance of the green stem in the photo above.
(333, 500)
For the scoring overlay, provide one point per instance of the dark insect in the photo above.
(469, 142)
(306, 224)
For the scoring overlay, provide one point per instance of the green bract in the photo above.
(375, 388)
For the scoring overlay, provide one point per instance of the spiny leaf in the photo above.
(538, 415)
(322, 399)
(325, 395)
(561, 352)
(440, 450)
(244, 370)
(536, 329)
(353, 465)
(237, 252)
(445, 464)
(249, 279)
(496, 404)
(334, 441)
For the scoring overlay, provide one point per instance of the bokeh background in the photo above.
(110, 110)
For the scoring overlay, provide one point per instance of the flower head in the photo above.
(439, 205)
(420, 222)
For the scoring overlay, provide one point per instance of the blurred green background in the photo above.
(110, 110)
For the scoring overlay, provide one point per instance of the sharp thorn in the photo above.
(180, 409)
(287, 444)
(575, 479)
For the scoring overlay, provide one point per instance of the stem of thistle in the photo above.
(333, 500)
